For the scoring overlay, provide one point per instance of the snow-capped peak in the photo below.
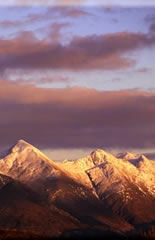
(127, 155)
(137, 160)
(21, 145)
(99, 156)
(18, 147)
(24, 147)
(27, 163)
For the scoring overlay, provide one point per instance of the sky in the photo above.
(78, 76)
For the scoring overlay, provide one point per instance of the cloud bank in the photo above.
(76, 117)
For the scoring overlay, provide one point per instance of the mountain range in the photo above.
(97, 196)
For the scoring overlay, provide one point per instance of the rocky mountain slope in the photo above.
(98, 193)
(24, 210)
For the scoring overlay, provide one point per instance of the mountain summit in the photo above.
(28, 164)
(115, 193)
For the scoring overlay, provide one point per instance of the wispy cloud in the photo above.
(139, 3)
(54, 32)
(11, 24)
(150, 19)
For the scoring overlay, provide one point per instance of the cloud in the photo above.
(70, 3)
(106, 3)
(55, 34)
(27, 20)
(150, 19)
(55, 12)
(150, 155)
(10, 24)
(143, 70)
(76, 117)
(73, 12)
(40, 80)
(60, 154)
(41, 2)
(82, 53)
(115, 20)
(152, 27)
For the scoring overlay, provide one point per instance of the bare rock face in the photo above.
(4, 180)
(111, 192)
(125, 186)
(25, 210)
(124, 183)
(127, 156)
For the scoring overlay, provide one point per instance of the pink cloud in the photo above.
(82, 53)
(55, 34)
(10, 24)
(76, 117)
(73, 12)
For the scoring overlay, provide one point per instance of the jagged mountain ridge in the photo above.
(59, 188)
(98, 190)
(137, 168)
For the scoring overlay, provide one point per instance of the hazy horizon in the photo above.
(61, 154)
